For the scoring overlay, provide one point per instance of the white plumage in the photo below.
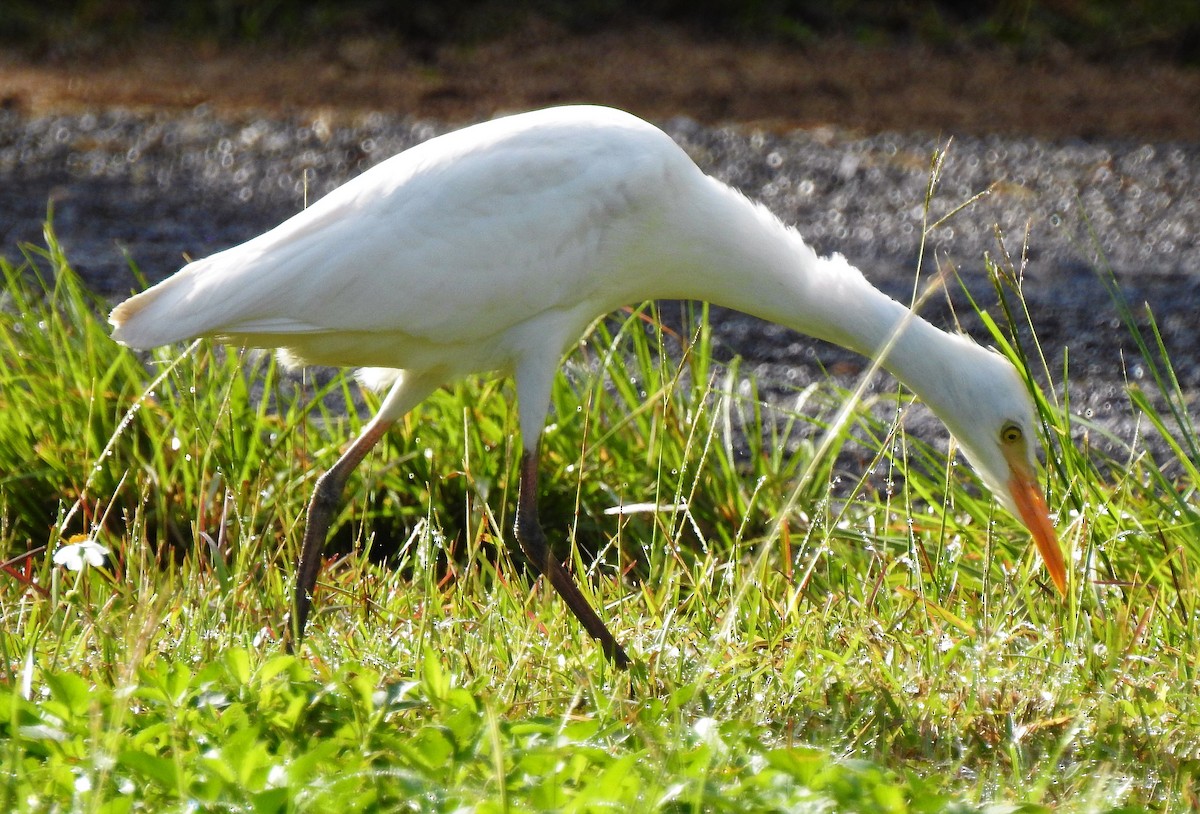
(494, 247)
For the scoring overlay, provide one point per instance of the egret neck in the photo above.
(733, 252)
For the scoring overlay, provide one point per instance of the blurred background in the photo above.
(1048, 67)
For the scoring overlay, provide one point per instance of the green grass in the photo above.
(811, 635)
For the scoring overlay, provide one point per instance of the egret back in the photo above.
(457, 241)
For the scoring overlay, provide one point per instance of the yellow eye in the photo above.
(1011, 434)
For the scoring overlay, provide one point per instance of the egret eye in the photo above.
(1011, 434)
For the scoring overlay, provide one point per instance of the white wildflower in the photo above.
(76, 556)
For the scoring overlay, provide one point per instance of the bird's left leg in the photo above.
(533, 543)
(534, 378)
(407, 392)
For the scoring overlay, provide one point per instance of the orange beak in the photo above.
(1032, 507)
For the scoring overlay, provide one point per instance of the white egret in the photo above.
(494, 247)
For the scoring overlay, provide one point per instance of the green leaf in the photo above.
(271, 801)
(160, 770)
(433, 746)
(237, 662)
(69, 690)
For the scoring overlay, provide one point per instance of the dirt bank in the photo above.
(655, 71)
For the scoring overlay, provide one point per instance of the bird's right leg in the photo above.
(406, 393)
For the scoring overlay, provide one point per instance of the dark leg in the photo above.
(321, 509)
(533, 543)
(405, 393)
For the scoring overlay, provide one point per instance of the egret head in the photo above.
(987, 407)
